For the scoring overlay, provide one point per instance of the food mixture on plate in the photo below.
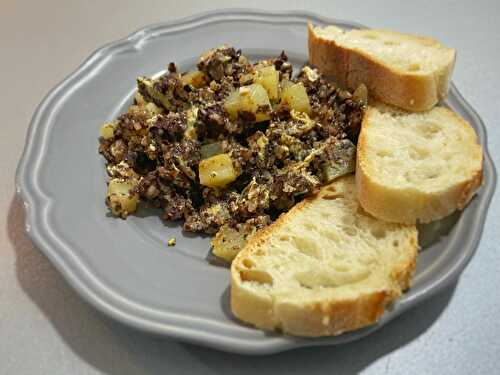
(230, 146)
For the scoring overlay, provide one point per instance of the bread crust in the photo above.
(410, 91)
(326, 318)
(392, 204)
(316, 318)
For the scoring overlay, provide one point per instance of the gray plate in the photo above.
(125, 268)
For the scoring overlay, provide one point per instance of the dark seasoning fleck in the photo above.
(179, 120)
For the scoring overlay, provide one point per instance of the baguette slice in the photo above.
(323, 268)
(406, 71)
(416, 166)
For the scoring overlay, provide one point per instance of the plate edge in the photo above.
(30, 203)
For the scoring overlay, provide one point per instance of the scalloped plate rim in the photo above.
(105, 300)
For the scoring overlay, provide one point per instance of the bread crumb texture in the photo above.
(323, 268)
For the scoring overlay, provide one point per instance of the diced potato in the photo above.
(120, 201)
(194, 78)
(107, 130)
(228, 242)
(217, 171)
(269, 78)
(250, 99)
(119, 186)
(296, 97)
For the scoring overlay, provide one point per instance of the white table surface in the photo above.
(45, 328)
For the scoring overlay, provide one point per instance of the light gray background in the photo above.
(46, 329)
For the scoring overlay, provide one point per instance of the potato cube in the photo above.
(269, 78)
(252, 98)
(228, 242)
(217, 171)
(119, 198)
(107, 130)
(296, 97)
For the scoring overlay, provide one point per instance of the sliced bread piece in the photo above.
(407, 71)
(416, 166)
(323, 268)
